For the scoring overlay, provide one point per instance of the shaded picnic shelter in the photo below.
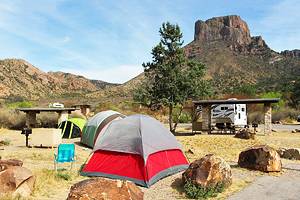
(206, 106)
(63, 114)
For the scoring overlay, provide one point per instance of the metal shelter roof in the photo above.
(237, 101)
(37, 109)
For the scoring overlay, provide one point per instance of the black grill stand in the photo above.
(26, 132)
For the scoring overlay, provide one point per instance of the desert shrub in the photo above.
(278, 116)
(183, 118)
(20, 104)
(197, 192)
(107, 106)
(63, 176)
(285, 114)
(12, 119)
(255, 117)
(47, 120)
(278, 105)
(245, 89)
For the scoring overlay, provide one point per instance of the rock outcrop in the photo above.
(261, 157)
(105, 189)
(230, 29)
(208, 171)
(292, 54)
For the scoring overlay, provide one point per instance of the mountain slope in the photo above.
(21, 79)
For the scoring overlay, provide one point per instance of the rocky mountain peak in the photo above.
(231, 30)
(227, 28)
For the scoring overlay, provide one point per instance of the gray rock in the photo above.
(289, 153)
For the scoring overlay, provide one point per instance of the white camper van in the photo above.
(229, 116)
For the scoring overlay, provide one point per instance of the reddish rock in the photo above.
(261, 157)
(105, 189)
(16, 180)
(4, 164)
(228, 28)
(208, 172)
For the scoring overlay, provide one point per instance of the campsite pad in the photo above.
(286, 186)
(40, 161)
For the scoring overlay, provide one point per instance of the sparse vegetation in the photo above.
(5, 142)
(11, 119)
(197, 192)
(20, 104)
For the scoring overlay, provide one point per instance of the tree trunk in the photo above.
(176, 123)
(171, 118)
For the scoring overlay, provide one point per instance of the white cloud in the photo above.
(118, 74)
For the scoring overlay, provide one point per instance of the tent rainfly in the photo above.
(72, 128)
(137, 148)
(97, 124)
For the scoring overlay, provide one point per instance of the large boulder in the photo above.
(105, 189)
(292, 153)
(208, 171)
(260, 157)
(16, 180)
(245, 134)
(4, 164)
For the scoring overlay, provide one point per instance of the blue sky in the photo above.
(109, 40)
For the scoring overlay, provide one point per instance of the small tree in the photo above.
(295, 94)
(171, 79)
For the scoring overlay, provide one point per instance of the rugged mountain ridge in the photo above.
(18, 78)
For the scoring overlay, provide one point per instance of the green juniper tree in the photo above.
(171, 79)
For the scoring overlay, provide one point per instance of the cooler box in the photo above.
(45, 137)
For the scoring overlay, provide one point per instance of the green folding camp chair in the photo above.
(65, 153)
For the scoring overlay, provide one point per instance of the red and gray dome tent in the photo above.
(137, 148)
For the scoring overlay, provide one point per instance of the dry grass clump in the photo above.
(46, 178)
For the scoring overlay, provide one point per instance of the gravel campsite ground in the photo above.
(56, 185)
